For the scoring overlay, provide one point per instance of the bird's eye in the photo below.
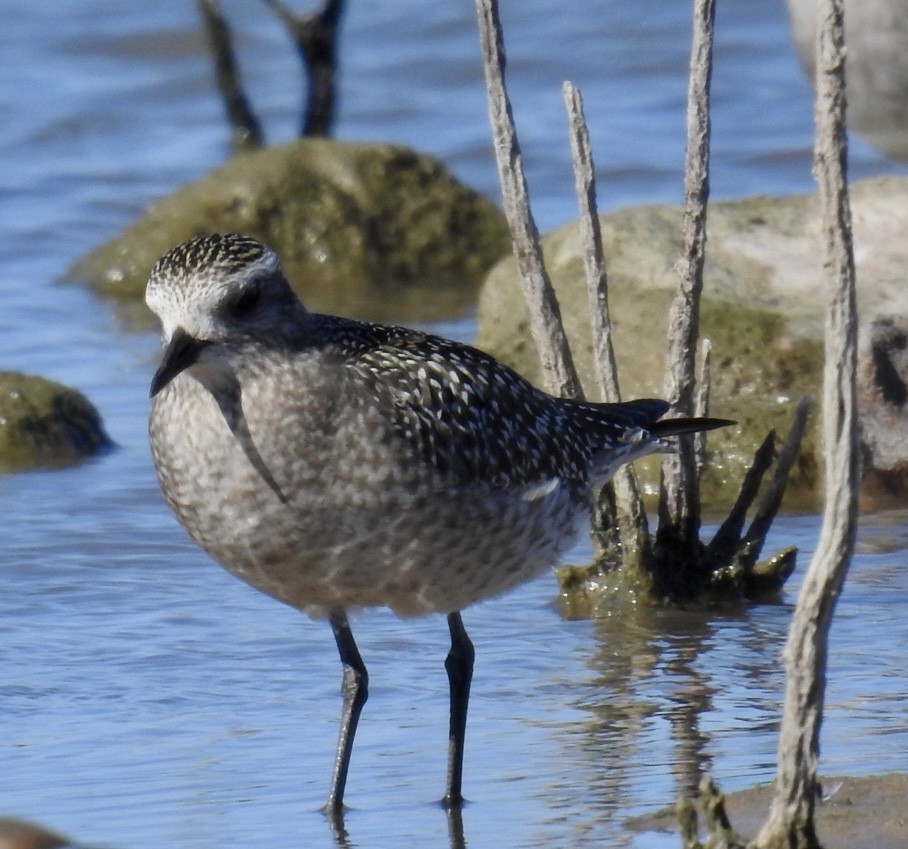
(245, 302)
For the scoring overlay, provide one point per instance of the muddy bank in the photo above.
(856, 813)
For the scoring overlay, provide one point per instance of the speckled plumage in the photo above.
(336, 464)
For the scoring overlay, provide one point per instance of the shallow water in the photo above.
(150, 699)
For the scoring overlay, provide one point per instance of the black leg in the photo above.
(355, 690)
(459, 664)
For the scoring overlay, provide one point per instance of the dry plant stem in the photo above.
(679, 508)
(701, 403)
(721, 834)
(686, 812)
(730, 542)
(315, 37)
(724, 545)
(559, 373)
(632, 526)
(752, 543)
(247, 133)
(593, 254)
(790, 822)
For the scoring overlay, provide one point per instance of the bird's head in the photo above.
(213, 294)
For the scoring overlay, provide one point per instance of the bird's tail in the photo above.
(641, 432)
(646, 414)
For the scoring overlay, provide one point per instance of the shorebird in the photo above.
(876, 32)
(336, 464)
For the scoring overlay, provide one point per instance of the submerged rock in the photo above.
(374, 231)
(20, 834)
(763, 310)
(45, 425)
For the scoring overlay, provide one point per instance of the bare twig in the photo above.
(721, 834)
(679, 508)
(752, 542)
(724, 544)
(545, 315)
(686, 812)
(629, 513)
(315, 37)
(247, 132)
(791, 818)
(593, 255)
(701, 403)
(730, 543)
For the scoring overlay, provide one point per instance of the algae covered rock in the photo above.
(763, 310)
(44, 424)
(375, 231)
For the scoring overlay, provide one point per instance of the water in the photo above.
(148, 698)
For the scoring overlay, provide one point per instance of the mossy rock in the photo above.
(373, 231)
(45, 425)
(763, 310)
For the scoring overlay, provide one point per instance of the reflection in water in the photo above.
(656, 675)
(342, 839)
(21, 834)
(455, 828)
(338, 829)
(691, 698)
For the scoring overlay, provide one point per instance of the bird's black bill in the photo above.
(674, 427)
(181, 352)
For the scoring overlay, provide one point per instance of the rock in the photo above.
(19, 834)
(375, 231)
(45, 425)
(763, 310)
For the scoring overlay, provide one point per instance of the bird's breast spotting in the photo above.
(355, 513)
